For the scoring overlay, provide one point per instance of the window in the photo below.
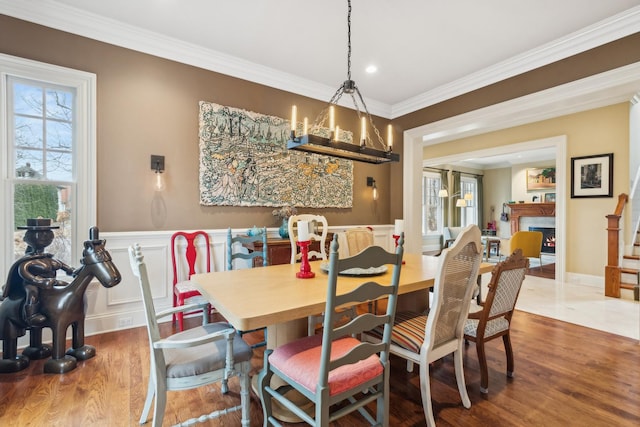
(469, 214)
(48, 145)
(431, 204)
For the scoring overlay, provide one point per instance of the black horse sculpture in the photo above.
(61, 306)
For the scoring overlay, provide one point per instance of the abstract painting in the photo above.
(244, 161)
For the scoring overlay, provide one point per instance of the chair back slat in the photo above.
(241, 241)
(366, 292)
(364, 322)
(186, 258)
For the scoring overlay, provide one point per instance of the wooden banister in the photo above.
(612, 271)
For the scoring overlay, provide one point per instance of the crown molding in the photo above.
(605, 31)
(611, 87)
(65, 18)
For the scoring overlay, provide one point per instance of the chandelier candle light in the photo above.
(397, 230)
(364, 151)
(303, 243)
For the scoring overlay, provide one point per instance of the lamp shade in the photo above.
(443, 193)
(461, 203)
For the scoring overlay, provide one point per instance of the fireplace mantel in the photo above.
(529, 209)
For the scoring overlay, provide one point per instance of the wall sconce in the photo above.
(157, 165)
(372, 183)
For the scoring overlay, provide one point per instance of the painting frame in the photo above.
(592, 176)
(549, 197)
(543, 178)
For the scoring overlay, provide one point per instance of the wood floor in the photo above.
(566, 375)
(548, 271)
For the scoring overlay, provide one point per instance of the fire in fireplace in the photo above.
(548, 238)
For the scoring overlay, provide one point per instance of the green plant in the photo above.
(33, 201)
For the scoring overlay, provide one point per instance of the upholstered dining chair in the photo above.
(237, 250)
(321, 238)
(336, 367)
(190, 253)
(494, 320)
(529, 242)
(423, 339)
(358, 239)
(197, 357)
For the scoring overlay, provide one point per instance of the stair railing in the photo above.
(612, 271)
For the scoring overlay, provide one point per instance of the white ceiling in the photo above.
(425, 50)
(508, 159)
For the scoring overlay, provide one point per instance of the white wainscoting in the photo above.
(120, 307)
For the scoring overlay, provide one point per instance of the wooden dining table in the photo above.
(274, 297)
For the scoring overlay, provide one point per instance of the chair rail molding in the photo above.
(121, 307)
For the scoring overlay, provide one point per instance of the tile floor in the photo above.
(581, 304)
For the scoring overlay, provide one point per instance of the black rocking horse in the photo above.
(55, 304)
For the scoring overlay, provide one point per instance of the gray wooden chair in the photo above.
(422, 339)
(237, 249)
(494, 320)
(336, 367)
(196, 357)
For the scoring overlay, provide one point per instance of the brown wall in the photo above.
(149, 105)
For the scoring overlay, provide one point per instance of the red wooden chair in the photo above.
(184, 263)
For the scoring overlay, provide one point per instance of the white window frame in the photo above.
(84, 203)
(469, 214)
(440, 211)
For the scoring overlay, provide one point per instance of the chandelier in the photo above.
(317, 139)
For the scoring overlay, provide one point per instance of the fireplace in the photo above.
(548, 239)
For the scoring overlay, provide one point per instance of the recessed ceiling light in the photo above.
(371, 69)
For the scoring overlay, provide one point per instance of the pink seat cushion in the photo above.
(300, 360)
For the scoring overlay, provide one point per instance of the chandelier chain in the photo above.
(322, 117)
(349, 41)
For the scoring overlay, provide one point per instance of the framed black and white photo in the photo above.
(592, 176)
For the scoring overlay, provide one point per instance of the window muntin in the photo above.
(42, 140)
(469, 214)
(56, 135)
